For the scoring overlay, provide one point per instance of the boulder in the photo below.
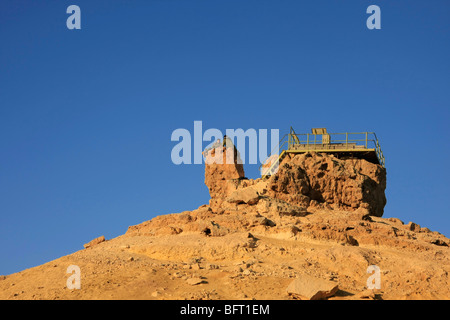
(306, 287)
(194, 281)
(94, 242)
(246, 195)
(413, 227)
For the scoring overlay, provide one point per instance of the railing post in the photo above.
(366, 140)
(346, 140)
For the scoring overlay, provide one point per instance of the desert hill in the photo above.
(318, 218)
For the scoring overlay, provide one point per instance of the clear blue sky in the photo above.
(86, 115)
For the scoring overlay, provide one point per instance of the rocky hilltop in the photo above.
(310, 231)
(303, 181)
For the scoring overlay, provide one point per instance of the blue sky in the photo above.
(86, 115)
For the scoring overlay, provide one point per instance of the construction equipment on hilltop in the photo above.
(360, 145)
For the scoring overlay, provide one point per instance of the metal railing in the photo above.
(348, 141)
(339, 142)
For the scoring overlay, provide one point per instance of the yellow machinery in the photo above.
(360, 145)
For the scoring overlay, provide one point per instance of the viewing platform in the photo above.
(348, 145)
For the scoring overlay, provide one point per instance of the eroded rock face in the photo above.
(315, 179)
(221, 164)
(223, 169)
(246, 195)
(310, 180)
(94, 242)
(310, 288)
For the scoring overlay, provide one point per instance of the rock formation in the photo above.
(303, 180)
(223, 170)
(310, 288)
(308, 232)
(315, 179)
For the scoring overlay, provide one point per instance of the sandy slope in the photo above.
(148, 262)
